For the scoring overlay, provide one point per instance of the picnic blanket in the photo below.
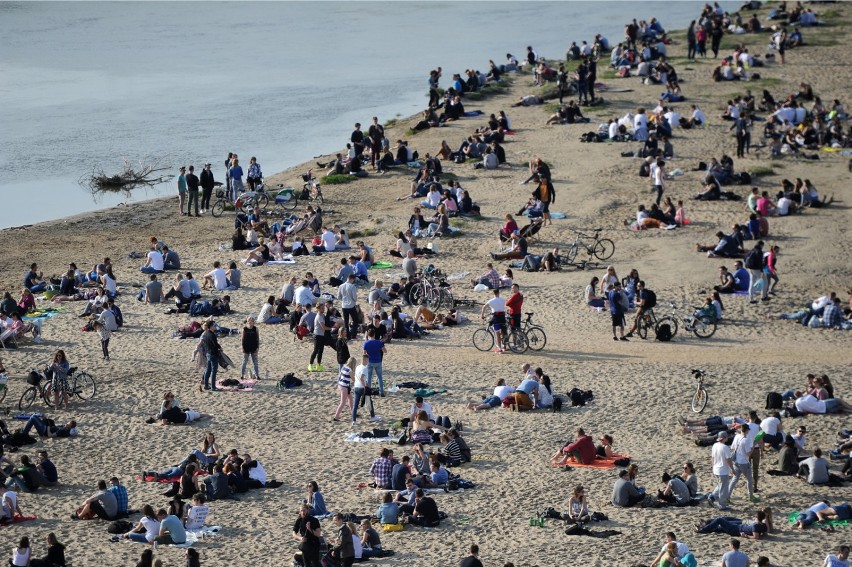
(381, 265)
(194, 536)
(17, 519)
(356, 438)
(284, 261)
(598, 463)
(163, 479)
(558, 215)
(46, 313)
(792, 516)
(245, 386)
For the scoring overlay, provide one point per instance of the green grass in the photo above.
(768, 81)
(777, 165)
(411, 132)
(391, 123)
(474, 96)
(761, 170)
(337, 179)
(362, 233)
(608, 73)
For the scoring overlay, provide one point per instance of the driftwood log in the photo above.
(130, 177)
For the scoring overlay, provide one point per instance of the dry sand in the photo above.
(641, 387)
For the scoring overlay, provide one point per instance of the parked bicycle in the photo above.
(702, 326)
(536, 337)
(431, 290)
(700, 397)
(484, 339)
(257, 199)
(79, 384)
(600, 248)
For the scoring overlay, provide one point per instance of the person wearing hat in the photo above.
(720, 457)
(181, 187)
(207, 185)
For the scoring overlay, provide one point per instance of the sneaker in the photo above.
(320, 368)
(37, 340)
(624, 339)
(354, 423)
(375, 418)
(754, 498)
(310, 367)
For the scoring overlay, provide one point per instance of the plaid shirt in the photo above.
(492, 277)
(831, 316)
(120, 494)
(381, 471)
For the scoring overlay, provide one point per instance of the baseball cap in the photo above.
(722, 435)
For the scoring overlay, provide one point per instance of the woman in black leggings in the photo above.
(319, 340)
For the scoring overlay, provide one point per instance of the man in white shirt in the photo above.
(720, 457)
(256, 470)
(216, 278)
(682, 548)
(497, 307)
(741, 449)
(347, 293)
(698, 117)
(154, 263)
(303, 295)
(329, 240)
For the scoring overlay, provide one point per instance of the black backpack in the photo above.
(664, 333)
(754, 259)
(774, 401)
(557, 405)
(650, 300)
(580, 397)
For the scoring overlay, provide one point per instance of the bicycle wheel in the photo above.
(570, 254)
(289, 204)
(433, 299)
(218, 208)
(703, 327)
(3, 391)
(699, 400)
(604, 249)
(47, 394)
(536, 338)
(416, 295)
(28, 398)
(483, 339)
(84, 385)
(517, 341)
(670, 321)
(643, 326)
(261, 200)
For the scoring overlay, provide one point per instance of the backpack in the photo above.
(289, 381)
(580, 397)
(754, 259)
(774, 401)
(557, 405)
(745, 178)
(650, 300)
(119, 527)
(664, 333)
(623, 72)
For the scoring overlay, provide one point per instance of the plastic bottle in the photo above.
(266, 374)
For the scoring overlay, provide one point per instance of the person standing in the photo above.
(319, 331)
(514, 306)
(616, 310)
(207, 185)
(255, 175)
(720, 457)
(228, 162)
(104, 333)
(181, 188)
(497, 306)
(742, 448)
(582, 83)
(754, 265)
(357, 139)
(192, 183)
(251, 344)
(716, 33)
(236, 174)
(307, 531)
(211, 350)
(375, 351)
(592, 77)
(562, 81)
(347, 293)
(691, 41)
(376, 134)
(740, 126)
(659, 173)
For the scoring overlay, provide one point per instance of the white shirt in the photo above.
(9, 510)
(658, 176)
(426, 407)
(720, 455)
(613, 130)
(809, 404)
(503, 392)
(433, 198)
(109, 283)
(196, 516)
(220, 281)
(258, 473)
(784, 206)
(733, 111)
(152, 527)
(265, 313)
(347, 293)
(403, 247)
(640, 121)
(155, 260)
(318, 330)
(329, 241)
(770, 425)
(682, 549)
(497, 305)
(360, 376)
(303, 296)
(741, 448)
(673, 118)
(699, 116)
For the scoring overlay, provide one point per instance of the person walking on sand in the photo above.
(212, 350)
(376, 133)
(319, 331)
(207, 185)
(192, 183)
(251, 344)
(181, 189)
(720, 457)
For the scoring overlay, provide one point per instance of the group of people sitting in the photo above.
(534, 390)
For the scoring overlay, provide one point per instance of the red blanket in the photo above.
(17, 519)
(598, 463)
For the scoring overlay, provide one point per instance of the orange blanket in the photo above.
(598, 463)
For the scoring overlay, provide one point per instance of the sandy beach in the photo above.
(641, 387)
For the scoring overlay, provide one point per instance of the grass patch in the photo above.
(768, 81)
(477, 95)
(337, 179)
(367, 232)
(411, 132)
(761, 170)
(777, 165)
(391, 123)
(609, 73)
(552, 107)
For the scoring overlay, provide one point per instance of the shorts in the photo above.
(843, 511)
(545, 207)
(498, 321)
(618, 319)
(493, 401)
(832, 405)
(515, 320)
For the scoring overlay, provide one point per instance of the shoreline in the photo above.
(641, 387)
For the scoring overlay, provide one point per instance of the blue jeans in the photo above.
(139, 538)
(210, 371)
(807, 518)
(171, 472)
(17, 483)
(377, 367)
(274, 320)
(722, 490)
(150, 270)
(730, 526)
(742, 469)
(369, 552)
(35, 421)
(39, 287)
(358, 396)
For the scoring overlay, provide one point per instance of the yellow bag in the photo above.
(392, 527)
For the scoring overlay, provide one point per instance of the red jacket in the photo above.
(585, 446)
(514, 303)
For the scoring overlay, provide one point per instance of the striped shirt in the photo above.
(345, 378)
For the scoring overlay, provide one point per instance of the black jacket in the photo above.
(207, 179)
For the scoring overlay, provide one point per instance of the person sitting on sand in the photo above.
(577, 507)
(582, 450)
(593, 300)
(147, 528)
(761, 526)
(516, 251)
(675, 493)
(501, 392)
(727, 247)
(422, 427)
(605, 448)
(102, 504)
(624, 492)
(388, 511)
(174, 415)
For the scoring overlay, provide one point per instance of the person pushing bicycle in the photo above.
(497, 305)
(645, 301)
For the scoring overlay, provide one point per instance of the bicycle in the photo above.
(257, 199)
(700, 397)
(81, 385)
(536, 337)
(34, 390)
(600, 248)
(702, 326)
(484, 339)
(431, 290)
